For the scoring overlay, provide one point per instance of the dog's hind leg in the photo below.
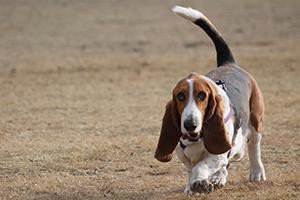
(257, 170)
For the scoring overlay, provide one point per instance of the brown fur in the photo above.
(169, 135)
(215, 139)
(256, 106)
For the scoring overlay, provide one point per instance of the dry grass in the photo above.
(84, 83)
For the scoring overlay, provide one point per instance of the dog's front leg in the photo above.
(199, 181)
(187, 189)
(187, 163)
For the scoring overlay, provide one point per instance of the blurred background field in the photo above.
(83, 86)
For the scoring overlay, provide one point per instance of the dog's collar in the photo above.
(183, 146)
(229, 115)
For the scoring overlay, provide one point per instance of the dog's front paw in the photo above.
(219, 178)
(218, 181)
(201, 186)
(257, 173)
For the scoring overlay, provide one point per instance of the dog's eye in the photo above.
(201, 96)
(180, 96)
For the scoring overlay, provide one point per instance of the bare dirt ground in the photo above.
(84, 85)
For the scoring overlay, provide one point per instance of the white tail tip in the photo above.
(188, 13)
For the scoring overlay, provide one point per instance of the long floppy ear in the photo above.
(211, 106)
(169, 135)
(215, 137)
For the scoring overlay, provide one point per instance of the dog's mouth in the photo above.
(192, 136)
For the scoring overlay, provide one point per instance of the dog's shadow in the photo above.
(176, 193)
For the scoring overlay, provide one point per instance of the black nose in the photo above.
(189, 125)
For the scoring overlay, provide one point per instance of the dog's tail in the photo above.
(224, 55)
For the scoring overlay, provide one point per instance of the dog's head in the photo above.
(195, 106)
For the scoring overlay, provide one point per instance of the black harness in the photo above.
(222, 84)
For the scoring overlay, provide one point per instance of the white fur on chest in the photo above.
(191, 154)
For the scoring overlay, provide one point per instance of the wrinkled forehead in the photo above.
(192, 81)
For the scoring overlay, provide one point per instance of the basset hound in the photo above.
(212, 117)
